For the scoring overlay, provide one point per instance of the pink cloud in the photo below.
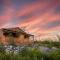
(34, 23)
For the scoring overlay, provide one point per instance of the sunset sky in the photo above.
(35, 16)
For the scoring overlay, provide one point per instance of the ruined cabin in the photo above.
(15, 36)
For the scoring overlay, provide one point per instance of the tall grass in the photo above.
(31, 54)
(26, 54)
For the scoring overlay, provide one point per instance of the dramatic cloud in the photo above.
(35, 16)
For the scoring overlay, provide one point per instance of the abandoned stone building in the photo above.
(15, 36)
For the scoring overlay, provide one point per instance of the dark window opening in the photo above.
(5, 34)
(15, 34)
(26, 36)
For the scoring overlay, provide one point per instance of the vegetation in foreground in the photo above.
(48, 43)
(31, 54)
